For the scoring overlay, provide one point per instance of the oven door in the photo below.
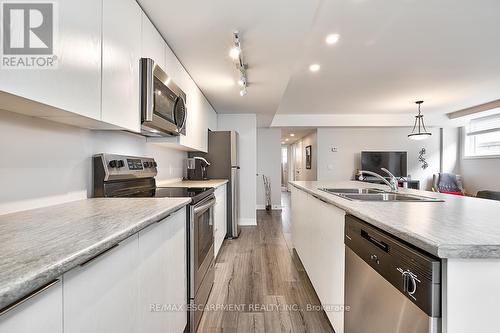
(202, 240)
(162, 103)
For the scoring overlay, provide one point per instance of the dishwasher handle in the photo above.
(378, 243)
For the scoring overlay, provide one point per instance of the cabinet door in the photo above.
(102, 296)
(162, 275)
(43, 314)
(300, 234)
(327, 227)
(153, 45)
(75, 84)
(220, 215)
(121, 52)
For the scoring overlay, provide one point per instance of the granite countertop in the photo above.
(194, 183)
(39, 245)
(460, 227)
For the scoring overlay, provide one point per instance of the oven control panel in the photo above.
(115, 167)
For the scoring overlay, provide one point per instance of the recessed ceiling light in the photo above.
(291, 134)
(314, 67)
(286, 139)
(282, 142)
(332, 39)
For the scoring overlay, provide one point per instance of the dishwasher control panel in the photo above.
(414, 273)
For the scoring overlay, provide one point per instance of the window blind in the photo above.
(484, 125)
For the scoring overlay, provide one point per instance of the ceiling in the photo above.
(390, 53)
(200, 33)
(298, 133)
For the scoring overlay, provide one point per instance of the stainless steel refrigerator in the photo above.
(223, 157)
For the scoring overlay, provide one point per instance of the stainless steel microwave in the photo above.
(163, 103)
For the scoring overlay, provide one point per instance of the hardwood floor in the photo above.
(260, 285)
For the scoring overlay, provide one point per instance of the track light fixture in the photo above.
(237, 55)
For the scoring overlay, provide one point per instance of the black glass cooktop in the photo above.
(195, 193)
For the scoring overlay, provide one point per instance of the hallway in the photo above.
(260, 286)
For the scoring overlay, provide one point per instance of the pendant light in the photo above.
(419, 131)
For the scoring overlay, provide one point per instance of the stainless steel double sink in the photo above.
(374, 194)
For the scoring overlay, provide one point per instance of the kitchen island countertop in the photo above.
(459, 227)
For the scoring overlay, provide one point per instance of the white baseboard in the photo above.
(274, 207)
(247, 221)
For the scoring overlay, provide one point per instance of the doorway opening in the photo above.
(299, 151)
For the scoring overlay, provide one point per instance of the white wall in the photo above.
(479, 173)
(246, 126)
(46, 163)
(350, 142)
(310, 174)
(451, 150)
(269, 164)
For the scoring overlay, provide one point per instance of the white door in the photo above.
(102, 296)
(121, 53)
(162, 275)
(42, 314)
(297, 160)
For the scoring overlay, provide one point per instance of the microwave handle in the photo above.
(148, 89)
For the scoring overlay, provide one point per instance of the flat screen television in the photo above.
(394, 161)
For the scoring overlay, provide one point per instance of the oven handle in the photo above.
(203, 207)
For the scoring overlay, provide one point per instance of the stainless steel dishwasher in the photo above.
(390, 286)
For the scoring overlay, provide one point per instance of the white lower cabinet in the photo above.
(220, 217)
(102, 296)
(318, 238)
(43, 313)
(162, 275)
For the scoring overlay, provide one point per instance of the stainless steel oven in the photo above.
(201, 249)
(163, 103)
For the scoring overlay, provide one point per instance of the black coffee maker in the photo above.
(197, 168)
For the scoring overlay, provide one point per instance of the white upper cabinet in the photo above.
(121, 52)
(75, 84)
(153, 45)
(199, 111)
(96, 83)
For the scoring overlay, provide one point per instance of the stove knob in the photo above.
(113, 163)
(147, 164)
(154, 164)
(120, 164)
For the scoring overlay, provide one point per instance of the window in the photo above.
(482, 137)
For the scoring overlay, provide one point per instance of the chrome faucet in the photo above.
(392, 183)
